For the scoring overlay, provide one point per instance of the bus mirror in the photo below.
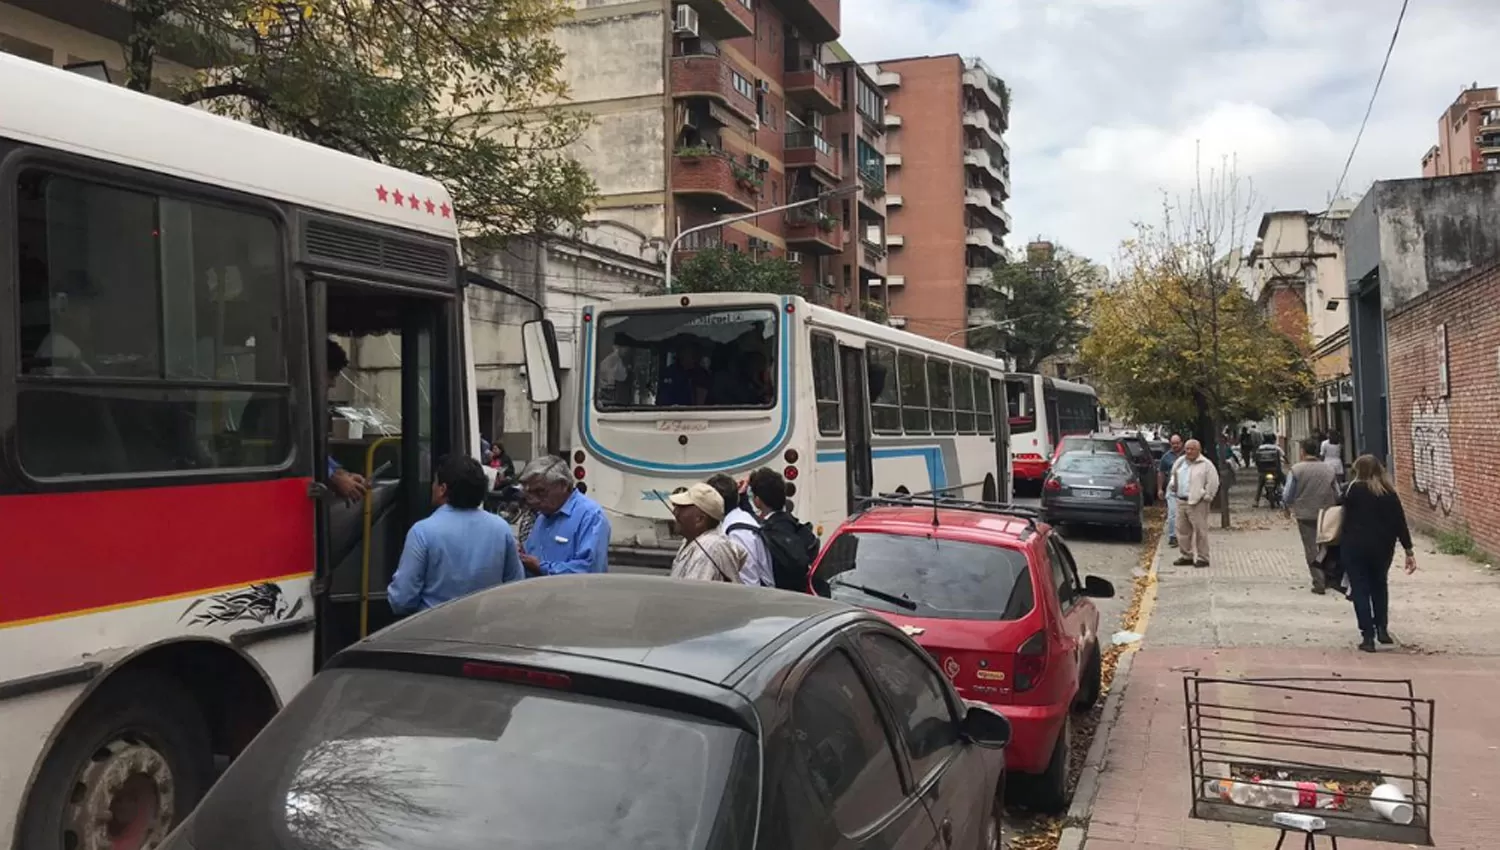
(540, 345)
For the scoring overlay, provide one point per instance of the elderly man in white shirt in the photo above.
(742, 527)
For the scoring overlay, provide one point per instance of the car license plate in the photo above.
(1094, 494)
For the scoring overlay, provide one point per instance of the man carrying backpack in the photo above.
(792, 545)
(742, 527)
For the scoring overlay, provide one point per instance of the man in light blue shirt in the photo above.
(571, 534)
(459, 549)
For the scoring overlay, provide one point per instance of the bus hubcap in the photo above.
(123, 800)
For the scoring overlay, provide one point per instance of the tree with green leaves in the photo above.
(722, 270)
(457, 90)
(1042, 301)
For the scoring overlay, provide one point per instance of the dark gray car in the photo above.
(626, 712)
(1094, 488)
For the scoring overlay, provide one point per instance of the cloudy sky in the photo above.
(1113, 97)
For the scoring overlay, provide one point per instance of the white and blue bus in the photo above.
(676, 388)
(1042, 411)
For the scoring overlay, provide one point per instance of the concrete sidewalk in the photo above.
(1251, 615)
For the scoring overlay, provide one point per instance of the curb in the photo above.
(1072, 837)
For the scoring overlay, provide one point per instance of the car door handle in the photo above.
(945, 831)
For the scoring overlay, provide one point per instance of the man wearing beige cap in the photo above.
(707, 554)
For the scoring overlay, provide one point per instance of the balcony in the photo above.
(986, 202)
(713, 177)
(894, 201)
(896, 281)
(989, 165)
(808, 84)
(892, 121)
(983, 237)
(711, 77)
(888, 80)
(1488, 141)
(814, 232)
(872, 177)
(817, 20)
(808, 149)
(892, 160)
(895, 240)
(724, 18)
(978, 119)
(979, 276)
(991, 90)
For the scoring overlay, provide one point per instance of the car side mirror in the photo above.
(985, 727)
(1098, 588)
(539, 344)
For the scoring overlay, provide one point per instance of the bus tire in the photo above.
(128, 767)
(991, 492)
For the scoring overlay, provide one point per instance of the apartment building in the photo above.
(947, 182)
(705, 109)
(860, 131)
(81, 34)
(1468, 135)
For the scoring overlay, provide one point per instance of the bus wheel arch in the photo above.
(155, 720)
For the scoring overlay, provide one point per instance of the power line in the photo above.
(1370, 107)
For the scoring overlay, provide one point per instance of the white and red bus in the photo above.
(1043, 411)
(172, 565)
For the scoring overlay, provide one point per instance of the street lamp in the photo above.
(672, 248)
(998, 323)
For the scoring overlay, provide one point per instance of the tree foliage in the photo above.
(453, 89)
(1047, 296)
(1151, 346)
(723, 270)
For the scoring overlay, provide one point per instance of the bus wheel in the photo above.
(991, 492)
(127, 768)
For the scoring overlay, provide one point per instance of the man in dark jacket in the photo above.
(1309, 489)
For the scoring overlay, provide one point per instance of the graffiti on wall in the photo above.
(1432, 453)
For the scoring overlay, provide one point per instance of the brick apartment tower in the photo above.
(711, 108)
(1468, 135)
(947, 181)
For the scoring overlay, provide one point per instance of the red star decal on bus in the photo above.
(430, 206)
(382, 193)
(414, 201)
(400, 198)
(446, 210)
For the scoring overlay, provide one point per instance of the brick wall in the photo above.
(1443, 444)
(1288, 314)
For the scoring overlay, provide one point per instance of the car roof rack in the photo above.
(938, 500)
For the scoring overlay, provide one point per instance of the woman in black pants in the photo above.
(1373, 521)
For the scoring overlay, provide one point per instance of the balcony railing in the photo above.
(710, 76)
(814, 230)
(701, 240)
(1489, 140)
(807, 148)
(716, 176)
(873, 177)
(809, 84)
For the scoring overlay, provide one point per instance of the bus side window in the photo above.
(914, 412)
(885, 398)
(940, 384)
(825, 365)
(984, 410)
(963, 397)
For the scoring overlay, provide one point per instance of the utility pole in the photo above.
(1213, 414)
(672, 247)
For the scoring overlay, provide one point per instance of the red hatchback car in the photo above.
(995, 597)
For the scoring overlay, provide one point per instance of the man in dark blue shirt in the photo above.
(684, 382)
(459, 549)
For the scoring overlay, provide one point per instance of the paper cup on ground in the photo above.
(1388, 801)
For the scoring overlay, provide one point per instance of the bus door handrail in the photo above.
(364, 566)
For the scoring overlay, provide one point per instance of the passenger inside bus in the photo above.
(723, 358)
(684, 382)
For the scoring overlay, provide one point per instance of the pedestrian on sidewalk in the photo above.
(743, 527)
(1165, 472)
(1247, 445)
(1193, 485)
(1309, 489)
(706, 554)
(1373, 521)
(1332, 453)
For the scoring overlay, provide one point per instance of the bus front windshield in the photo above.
(724, 358)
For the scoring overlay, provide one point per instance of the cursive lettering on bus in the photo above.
(681, 426)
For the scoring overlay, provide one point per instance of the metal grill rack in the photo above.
(1335, 739)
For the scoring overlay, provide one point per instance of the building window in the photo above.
(871, 103)
(151, 333)
(25, 49)
(742, 85)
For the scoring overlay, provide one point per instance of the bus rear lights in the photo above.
(579, 456)
(790, 307)
(791, 489)
(685, 301)
(790, 473)
(791, 456)
(583, 488)
(579, 473)
(682, 440)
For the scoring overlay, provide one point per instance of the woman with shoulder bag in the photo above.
(1373, 520)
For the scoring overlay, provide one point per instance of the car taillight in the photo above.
(1053, 484)
(1131, 489)
(1031, 662)
(1120, 447)
(517, 675)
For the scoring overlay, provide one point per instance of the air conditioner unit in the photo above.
(685, 20)
(762, 86)
(794, 257)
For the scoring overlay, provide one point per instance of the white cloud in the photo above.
(1116, 99)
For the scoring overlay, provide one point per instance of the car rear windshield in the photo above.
(381, 760)
(1094, 464)
(942, 579)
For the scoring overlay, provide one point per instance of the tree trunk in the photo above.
(146, 18)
